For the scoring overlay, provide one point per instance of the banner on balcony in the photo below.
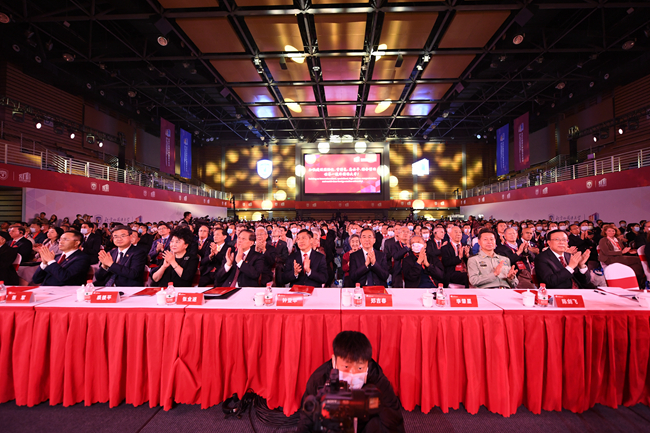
(167, 147)
(522, 149)
(503, 148)
(186, 154)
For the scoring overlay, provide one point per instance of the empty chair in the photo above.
(644, 261)
(620, 275)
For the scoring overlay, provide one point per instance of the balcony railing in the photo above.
(11, 153)
(611, 164)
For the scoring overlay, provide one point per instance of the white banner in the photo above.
(108, 208)
(632, 204)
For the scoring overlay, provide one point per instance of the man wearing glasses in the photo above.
(559, 269)
(123, 266)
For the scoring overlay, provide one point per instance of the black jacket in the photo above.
(189, 262)
(390, 418)
(129, 272)
(249, 272)
(359, 271)
(72, 272)
(25, 249)
(91, 247)
(7, 271)
(318, 275)
(413, 271)
(550, 271)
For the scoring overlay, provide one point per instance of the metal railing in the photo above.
(11, 153)
(624, 161)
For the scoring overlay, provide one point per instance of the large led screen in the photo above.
(342, 173)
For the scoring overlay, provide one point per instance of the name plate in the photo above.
(569, 301)
(105, 298)
(290, 300)
(463, 301)
(20, 298)
(190, 299)
(379, 300)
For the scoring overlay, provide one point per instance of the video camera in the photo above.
(336, 407)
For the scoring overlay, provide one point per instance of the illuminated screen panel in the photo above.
(342, 174)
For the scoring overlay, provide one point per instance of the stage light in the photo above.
(360, 147)
(478, 136)
(72, 134)
(90, 139)
(293, 106)
(267, 205)
(628, 45)
(257, 216)
(404, 195)
(294, 54)
(621, 129)
(518, 39)
(300, 170)
(418, 204)
(280, 195)
(162, 41)
(291, 182)
(381, 51)
(561, 85)
(18, 116)
(393, 181)
(37, 123)
(68, 57)
(383, 170)
(383, 106)
(100, 143)
(324, 147)
(595, 138)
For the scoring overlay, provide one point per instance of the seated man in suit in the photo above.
(419, 268)
(396, 253)
(123, 266)
(434, 245)
(454, 257)
(7, 256)
(488, 270)
(20, 242)
(305, 266)
(518, 257)
(91, 243)
(243, 267)
(268, 252)
(70, 268)
(159, 245)
(367, 265)
(560, 270)
(214, 259)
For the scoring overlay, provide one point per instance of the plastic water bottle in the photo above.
(358, 295)
(542, 296)
(90, 289)
(268, 295)
(170, 294)
(3, 292)
(160, 297)
(441, 300)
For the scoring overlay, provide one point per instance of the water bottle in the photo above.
(170, 294)
(268, 295)
(358, 295)
(160, 297)
(89, 290)
(542, 296)
(440, 296)
(3, 292)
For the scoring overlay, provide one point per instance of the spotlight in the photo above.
(591, 84)
(518, 39)
(90, 139)
(16, 48)
(18, 116)
(49, 45)
(100, 143)
(37, 123)
(419, 67)
(570, 95)
(478, 136)
(68, 57)
(561, 85)
(628, 45)
(132, 93)
(621, 129)
(72, 134)
(38, 59)
(606, 76)
(162, 41)
(595, 138)
(122, 103)
(4, 18)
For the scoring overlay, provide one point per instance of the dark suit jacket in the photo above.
(91, 247)
(550, 271)
(432, 248)
(189, 262)
(40, 237)
(504, 250)
(153, 254)
(378, 240)
(396, 252)
(146, 240)
(7, 272)
(268, 261)
(359, 271)
(412, 271)
(25, 249)
(249, 272)
(318, 275)
(449, 262)
(72, 272)
(129, 271)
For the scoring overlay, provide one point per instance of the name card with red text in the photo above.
(20, 298)
(105, 298)
(290, 300)
(379, 300)
(463, 301)
(189, 299)
(569, 301)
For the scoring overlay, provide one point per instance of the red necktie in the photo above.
(61, 259)
(12, 243)
(275, 244)
(573, 283)
(234, 280)
(304, 257)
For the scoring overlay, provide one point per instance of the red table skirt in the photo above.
(575, 360)
(440, 359)
(15, 343)
(271, 352)
(103, 355)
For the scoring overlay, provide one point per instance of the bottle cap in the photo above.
(170, 284)
(89, 282)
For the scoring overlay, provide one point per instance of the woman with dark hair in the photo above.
(613, 250)
(52, 242)
(54, 221)
(179, 265)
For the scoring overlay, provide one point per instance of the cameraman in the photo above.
(353, 358)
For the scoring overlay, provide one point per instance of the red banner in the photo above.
(167, 147)
(522, 145)
(17, 176)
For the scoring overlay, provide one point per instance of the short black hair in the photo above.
(552, 232)
(122, 227)
(184, 234)
(222, 230)
(486, 231)
(311, 235)
(185, 214)
(89, 224)
(163, 224)
(77, 235)
(353, 346)
(368, 229)
(251, 235)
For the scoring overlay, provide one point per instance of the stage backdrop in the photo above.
(629, 204)
(109, 208)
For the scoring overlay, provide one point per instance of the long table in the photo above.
(500, 355)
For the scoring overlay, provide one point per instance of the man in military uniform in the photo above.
(488, 270)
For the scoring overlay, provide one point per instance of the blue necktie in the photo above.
(111, 281)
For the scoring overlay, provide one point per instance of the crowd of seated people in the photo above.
(398, 254)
